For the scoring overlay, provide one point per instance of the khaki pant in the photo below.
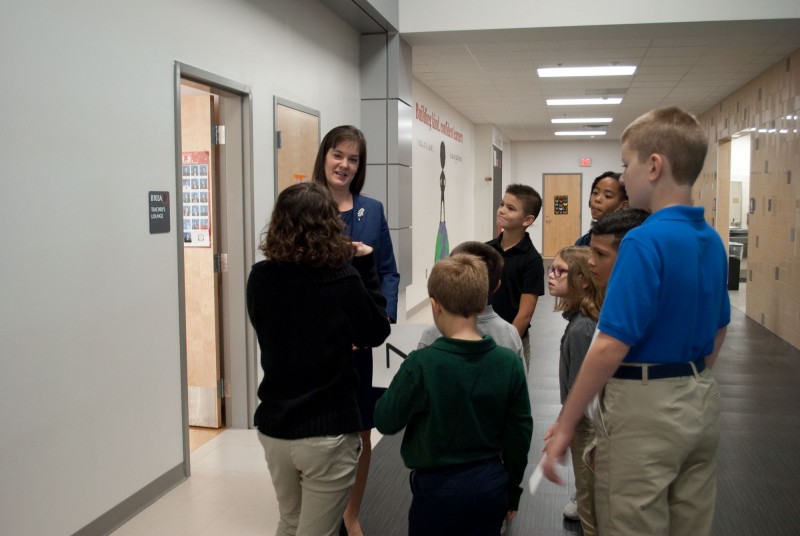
(584, 478)
(656, 458)
(312, 479)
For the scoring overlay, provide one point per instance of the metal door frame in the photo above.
(242, 369)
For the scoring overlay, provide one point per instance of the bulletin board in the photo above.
(196, 200)
(560, 205)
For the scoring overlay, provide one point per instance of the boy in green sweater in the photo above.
(464, 403)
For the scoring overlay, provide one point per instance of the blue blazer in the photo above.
(369, 226)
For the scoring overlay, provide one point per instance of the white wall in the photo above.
(459, 190)
(89, 341)
(454, 15)
(468, 196)
(487, 136)
(530, 160)
(740, 172)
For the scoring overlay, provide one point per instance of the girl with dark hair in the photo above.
(608, 195)
(341, 166)
(310, 301)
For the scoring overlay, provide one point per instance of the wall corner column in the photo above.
(386, 120)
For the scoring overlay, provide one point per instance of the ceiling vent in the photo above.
(615, 92)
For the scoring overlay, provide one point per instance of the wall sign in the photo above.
(159, 212)
(560, 204)
(585, 162)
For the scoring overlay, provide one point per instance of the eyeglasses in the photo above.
(556, 271)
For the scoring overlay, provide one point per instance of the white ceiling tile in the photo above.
(490, 76)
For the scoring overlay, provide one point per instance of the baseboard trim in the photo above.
(127, 509)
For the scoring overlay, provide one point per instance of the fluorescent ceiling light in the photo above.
(610, 70)
(581, 133)
(589, 101)
(586, 120)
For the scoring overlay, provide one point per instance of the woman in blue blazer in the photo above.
(341, 165)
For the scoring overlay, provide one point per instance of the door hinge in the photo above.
(220, 263)
(226, 388)
(220, 388)
(218, 134)
(278, 139)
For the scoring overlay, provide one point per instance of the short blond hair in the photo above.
(460, 284)
(673, 133)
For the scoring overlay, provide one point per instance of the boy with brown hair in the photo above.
(489, 322)
(464, 403)
(523, 270)
(660, 330)
(607, 234)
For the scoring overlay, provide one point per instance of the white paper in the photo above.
(535, 479)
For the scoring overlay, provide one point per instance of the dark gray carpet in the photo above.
(759, 469)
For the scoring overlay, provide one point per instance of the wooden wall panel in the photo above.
(769, 103)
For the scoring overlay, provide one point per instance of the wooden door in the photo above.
(200, 279)
(297, 141)
(561, 211)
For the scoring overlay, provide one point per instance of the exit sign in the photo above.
(585, 162)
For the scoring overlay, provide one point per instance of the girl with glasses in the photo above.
(579, 299)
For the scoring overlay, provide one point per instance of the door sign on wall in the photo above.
(196, 200)
(158, 203)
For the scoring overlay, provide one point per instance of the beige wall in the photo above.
(773, 289)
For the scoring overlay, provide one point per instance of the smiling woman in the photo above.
(341, 166)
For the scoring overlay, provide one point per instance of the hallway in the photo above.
(230, 494)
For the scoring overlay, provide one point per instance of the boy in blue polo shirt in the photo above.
(660, 330)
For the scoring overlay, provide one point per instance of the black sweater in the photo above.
(307, 321)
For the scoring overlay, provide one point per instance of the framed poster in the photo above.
(196, 199)
(560, 204)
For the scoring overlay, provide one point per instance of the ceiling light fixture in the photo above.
(586, 120)
(611, 70)
(584, 101)
(580, 133)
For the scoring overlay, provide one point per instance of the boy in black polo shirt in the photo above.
(523, 271)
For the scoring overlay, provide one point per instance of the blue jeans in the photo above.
(466, 499)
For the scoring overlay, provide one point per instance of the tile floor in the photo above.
(228, 494)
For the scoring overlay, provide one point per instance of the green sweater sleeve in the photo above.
(517, 435)
(401, 401)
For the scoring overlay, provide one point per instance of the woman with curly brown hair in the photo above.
(314, 296)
